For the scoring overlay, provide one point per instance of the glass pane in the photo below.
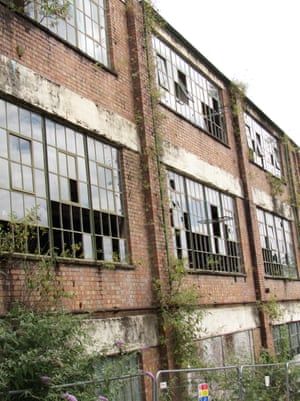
(99, 152)
(12, 117)
(107, 248)
(79, 144)
(3, 143)
(72, 168)
(87, 246)
(42, 211)
(101, 177)
(81, 169)
(80, 21)
(103, 199)
(88, 26)
(93, 173)
(16, 176)
(122, 250)
(71, 35)
(4, 174)
(95, 198)
(25, 122)
(62, 161)
(38, 155)
(60, 137)
(83, 194)
(107, 155)
(14, 148)
(52, 159)
(110, 200)
(53, 182)
(2, 114)
(36, 126)
(109, 181)
(25, 149)
(29, 203)
(4, 205)
(91, 149)
(17, 204)
(27, 179)
(39, 183)
(64, 189)
(71, 145)
(50, 131)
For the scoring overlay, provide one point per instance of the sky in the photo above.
(252, 41)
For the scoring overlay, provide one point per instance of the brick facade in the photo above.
(119, 98)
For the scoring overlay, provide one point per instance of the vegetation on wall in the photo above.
(46, 8)
(43, 347)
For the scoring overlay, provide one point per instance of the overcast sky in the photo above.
(253, 41)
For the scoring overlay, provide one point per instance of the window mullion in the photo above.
(189, 231)
(89, 185)
(46, 170)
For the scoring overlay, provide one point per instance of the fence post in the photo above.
(241, 388)
(287, 367)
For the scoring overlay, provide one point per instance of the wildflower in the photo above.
(46, 380)
(102, 398)
(119, 343)
(69, 397)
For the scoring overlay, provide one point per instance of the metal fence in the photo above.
(267, 382)
(131, 387)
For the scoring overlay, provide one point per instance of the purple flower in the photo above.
(119, 343)
(46, 380)
(102, 398)
(69, 397)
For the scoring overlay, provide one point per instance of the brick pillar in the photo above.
(252, 226)
(150, 163)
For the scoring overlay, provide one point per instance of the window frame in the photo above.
(119, 211)
(199, 90)
(104, 24)
(272, 256)
(210, 246)
(261, 155)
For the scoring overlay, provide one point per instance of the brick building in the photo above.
(79, 140)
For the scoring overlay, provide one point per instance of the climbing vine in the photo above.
(46, 8)
(181, 317)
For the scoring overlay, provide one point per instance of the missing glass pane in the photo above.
(73, 190)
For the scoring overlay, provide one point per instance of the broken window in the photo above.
(162, 72)
(85, 204)
(263, 146)
(286, 337)
(84, 26)
(277, 245)
(204, 226)
(181, 90)
(188, 92)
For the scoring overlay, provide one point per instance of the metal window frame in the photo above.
(103, 48)
(224, 259)
(44, 143)
(199, 94)
(264, 147)
(270, 265)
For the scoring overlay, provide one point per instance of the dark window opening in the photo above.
(214, 249)
(181, 90)
(74, 191)
(215, 218)
(86, 220)
(105, 224)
